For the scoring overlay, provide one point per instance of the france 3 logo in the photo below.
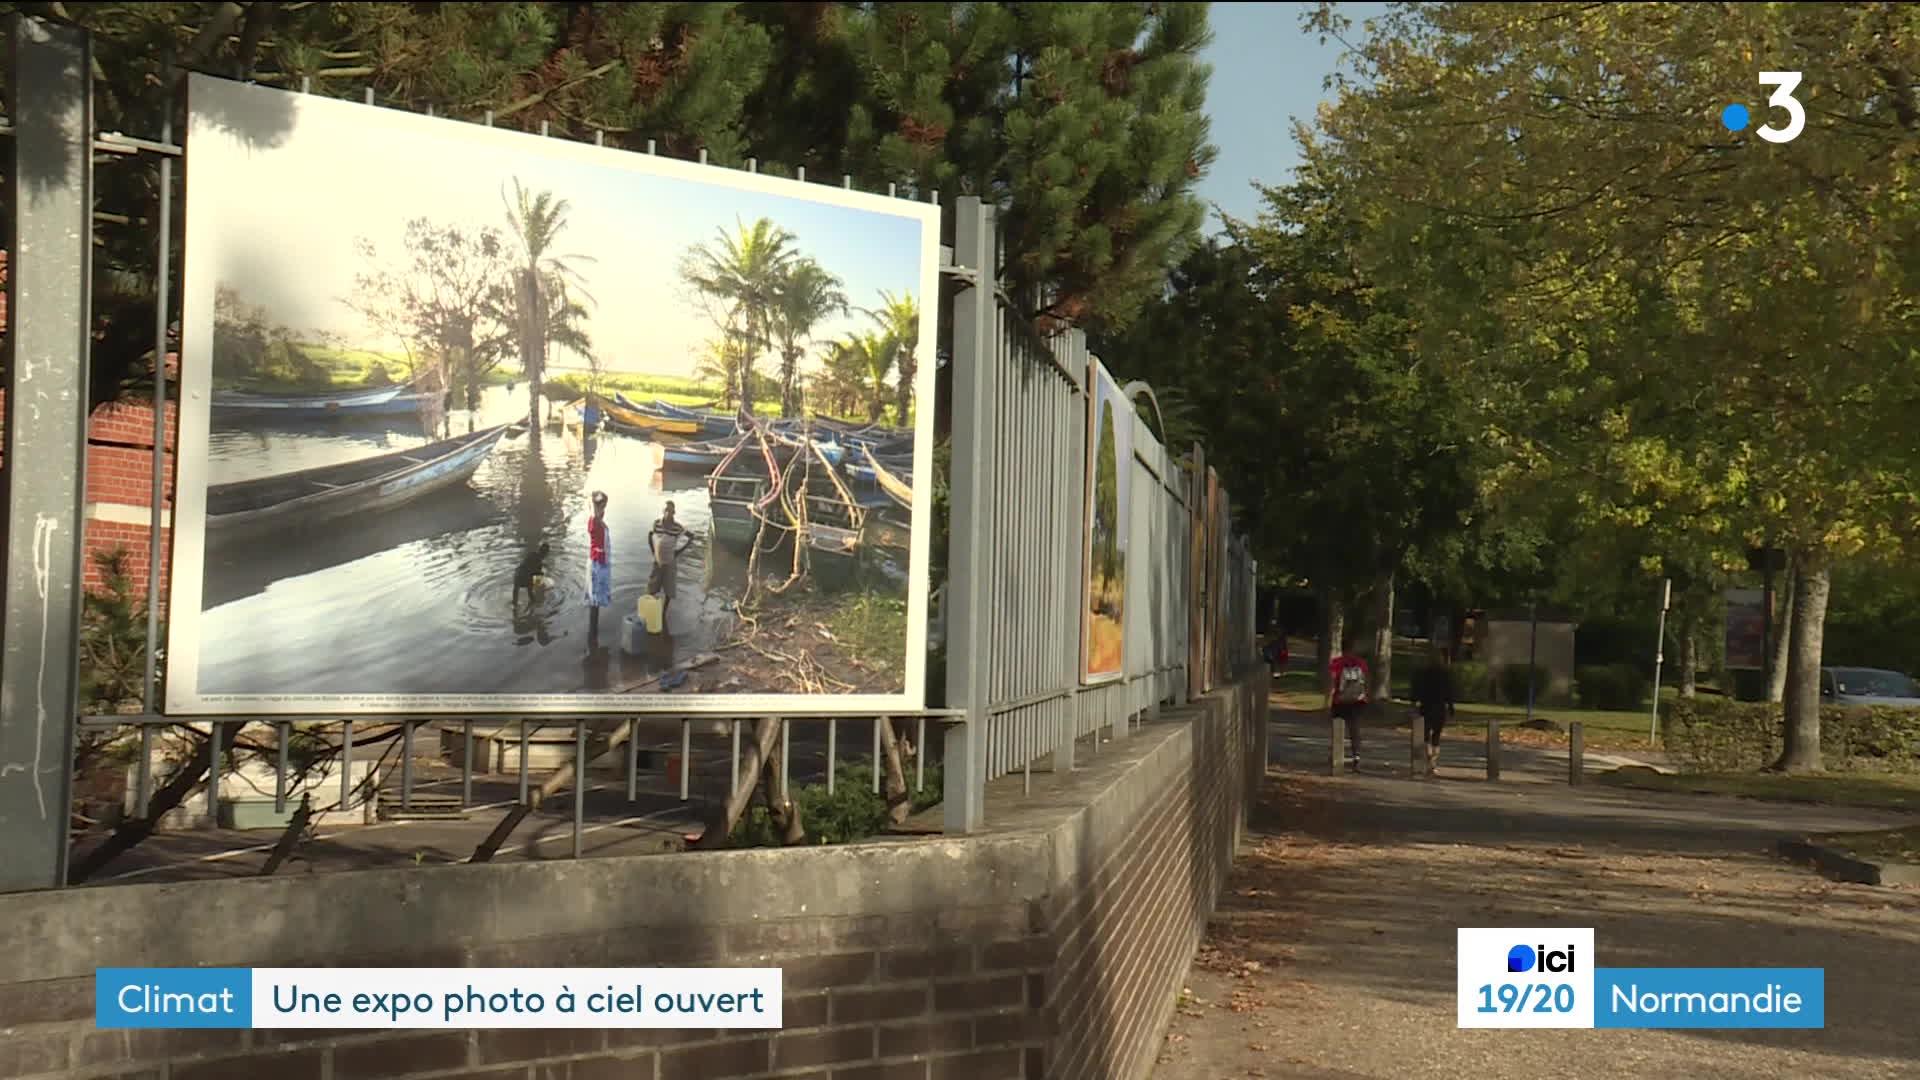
(1525, 977)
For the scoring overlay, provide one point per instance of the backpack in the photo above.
(1352, 686)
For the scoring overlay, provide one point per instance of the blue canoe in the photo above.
(311, 496)
(697, 457)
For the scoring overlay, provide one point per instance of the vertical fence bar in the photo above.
(406, 765)
(735, 788)
(686, 757)
(281, 731)
(213, 775)
(833, 750)
(876, 755)
(51, 248)
(633, 759)
(786, 760)
(523, 761)
(970, 500)
(346, 765)
(143, 782)
(579, 781)
(466, 763)
(155, 518)
(919, 758)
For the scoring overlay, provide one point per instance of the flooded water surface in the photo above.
(419, 598)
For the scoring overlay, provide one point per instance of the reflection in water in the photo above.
(419, 598)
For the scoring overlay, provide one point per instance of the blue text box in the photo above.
(1710, 998)
(173, 998)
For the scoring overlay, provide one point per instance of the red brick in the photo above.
(807, 1049)
(926, 1036)
(400, 1056)
(280, 1065)
(527, 1044)
(732, 1058)
(972, 995)
(879, 1003)
(987, 1065)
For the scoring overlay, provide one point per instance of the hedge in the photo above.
(1472, 683)
(1514, 680)
(1720, 735)
(1611, 686)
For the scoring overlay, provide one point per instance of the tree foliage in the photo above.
(1083, 122)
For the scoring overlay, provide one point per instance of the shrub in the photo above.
(852, 812)
(1611, 686)
(1514, 679)
(1472, 683)
(1722, 735)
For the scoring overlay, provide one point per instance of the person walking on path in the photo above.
(1347, 680)
(1433, 694)
(599, 569)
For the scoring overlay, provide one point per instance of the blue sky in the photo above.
(1267, 72)
(355, 172)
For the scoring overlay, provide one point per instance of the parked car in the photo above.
(1868, 686)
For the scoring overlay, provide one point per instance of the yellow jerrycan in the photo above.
(652, 612)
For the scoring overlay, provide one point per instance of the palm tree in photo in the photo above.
(550, 300)
(807, 295)
(898, 320)
(856, 373)
(743, 270)
(720, 362)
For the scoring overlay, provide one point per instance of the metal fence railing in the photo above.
(1011, 607)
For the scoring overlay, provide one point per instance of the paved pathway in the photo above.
(1332, 955)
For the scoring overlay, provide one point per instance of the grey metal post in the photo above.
(155, 558)
(1337, 737)
(1418, 761)
(970, 502)
(213, 775)
(876, 755)
(1493, 748)
(833, 750)
(1660, 654)
(579, 781)
(523, 761)
(50, 182)
(731, 791)
(1533, 646)
(686, 754)
(143, 772)
(406, 765)
(1576, 752)
(346, 765)
(633, 759)
(466, 763)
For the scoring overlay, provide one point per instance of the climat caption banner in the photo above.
(1544, 977)
(437, 998)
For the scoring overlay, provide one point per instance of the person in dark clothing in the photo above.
(532, 567)
(1434, 694)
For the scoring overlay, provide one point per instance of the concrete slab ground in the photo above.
(1332, 954)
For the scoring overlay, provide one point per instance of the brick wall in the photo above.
(120, 487)
(1051, 945)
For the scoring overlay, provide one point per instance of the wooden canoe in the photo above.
(378, 400)
(897, 488)
(625, 417)
(371, 484)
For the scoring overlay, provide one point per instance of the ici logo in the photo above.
(1539, 958)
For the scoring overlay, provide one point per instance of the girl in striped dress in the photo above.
(599, 569)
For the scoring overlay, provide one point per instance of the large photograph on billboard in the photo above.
(475, 419)
(1109, 516)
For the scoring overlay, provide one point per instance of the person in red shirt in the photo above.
(599, 569)
(1347, 679)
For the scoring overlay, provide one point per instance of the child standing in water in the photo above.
(599, 569)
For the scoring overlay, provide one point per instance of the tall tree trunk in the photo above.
(789, 382)
(1382, 689)
(1333, 631)
(1813, 580)
(899, 800)
(1782, 636)
(906, 392)
(1689, 655)
(532, 344)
